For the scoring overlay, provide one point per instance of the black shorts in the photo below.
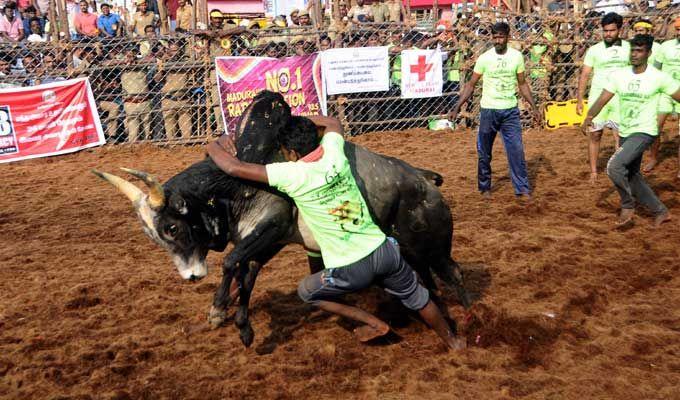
(384, 267)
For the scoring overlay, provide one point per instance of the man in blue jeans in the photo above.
(503, 71)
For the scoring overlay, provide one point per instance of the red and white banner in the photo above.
(46, 120)
(421, 73)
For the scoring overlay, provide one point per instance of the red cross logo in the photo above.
(422, 68)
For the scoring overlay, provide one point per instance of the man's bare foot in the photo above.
(367, 333)
(593, 178)
(626, 219)
(457, 343)
(661, 218)
(649, 166)
(486, 195)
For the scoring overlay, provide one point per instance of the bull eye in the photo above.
(171, 230)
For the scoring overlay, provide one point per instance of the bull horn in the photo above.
(156, 192)
(131, 191)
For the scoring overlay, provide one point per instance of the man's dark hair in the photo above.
(30, 9)
(612, 18)
(149, 26)
(500, 28)
(34, 19)
(646, 41)
(11, 5)
(299, 135)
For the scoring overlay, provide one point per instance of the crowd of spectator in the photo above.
(154, 85)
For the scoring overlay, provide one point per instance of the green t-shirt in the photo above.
(329, 200)
(604, 60)
(655, 53)
(638, 98)
(669, 58)
(499, 78)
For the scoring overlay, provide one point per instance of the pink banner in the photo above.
(46, 120)
(298, 79)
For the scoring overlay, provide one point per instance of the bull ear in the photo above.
(178, 203)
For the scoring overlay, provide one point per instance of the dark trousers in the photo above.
(623, 169)
(507, 123)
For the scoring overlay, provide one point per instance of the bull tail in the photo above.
(432, 176)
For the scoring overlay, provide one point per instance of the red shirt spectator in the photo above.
(85, 22)
(171, 6)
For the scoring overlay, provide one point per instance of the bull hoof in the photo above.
(247, 335)
(217, 317)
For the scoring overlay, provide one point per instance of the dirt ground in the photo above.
(566, 307)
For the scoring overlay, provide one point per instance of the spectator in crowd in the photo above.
(151, 41)
(294, 18)
(325, 42)
(11, 26)
(108, 23)
(6, 61)
(28, 14)
(36, 32)
(380, 11)
(31, 63)
(48, 69)
(644, 26)
(557, 6)
(298, 43)
(360, 13)
(22, 5)
(303, 19)
(106, 83)
(135, 90)
(171, 7)
(42, 7)
(396, 10)
(185, 15)
(142, 18)
(85, 22)
(174, 82)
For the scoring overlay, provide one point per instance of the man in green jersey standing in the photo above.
(503, 71)
(601, 59)
(667, 59)
(355, 251)
(638, 88)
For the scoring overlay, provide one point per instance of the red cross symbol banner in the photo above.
(298, 79)
(421, 73)
(46, 120)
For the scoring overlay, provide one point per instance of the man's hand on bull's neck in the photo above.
(224, 159)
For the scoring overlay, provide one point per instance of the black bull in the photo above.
(202, 209)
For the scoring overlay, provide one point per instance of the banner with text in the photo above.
(356, 70)
(47, 120)
(421, 73)
(298, 79)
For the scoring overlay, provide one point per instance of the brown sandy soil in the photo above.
(566, 307)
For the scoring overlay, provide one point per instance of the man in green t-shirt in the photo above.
(601, 59)
(638, 88)
(355, 251)
(503, 71)
(667, 59)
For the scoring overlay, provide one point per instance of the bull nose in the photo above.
(194, 278)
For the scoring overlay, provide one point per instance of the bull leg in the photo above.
(247, 277)
(452, 274)
(223, 298)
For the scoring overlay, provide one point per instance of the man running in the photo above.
(503, 71)
(638, 88)
(667, 59)
(602, 59)
(355, 251)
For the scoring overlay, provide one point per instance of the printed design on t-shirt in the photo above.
(348, 213)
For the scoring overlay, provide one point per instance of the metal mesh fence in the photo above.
(162, 88)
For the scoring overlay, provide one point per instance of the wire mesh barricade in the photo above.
(163, 88)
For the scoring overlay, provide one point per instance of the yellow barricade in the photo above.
(559, 114)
